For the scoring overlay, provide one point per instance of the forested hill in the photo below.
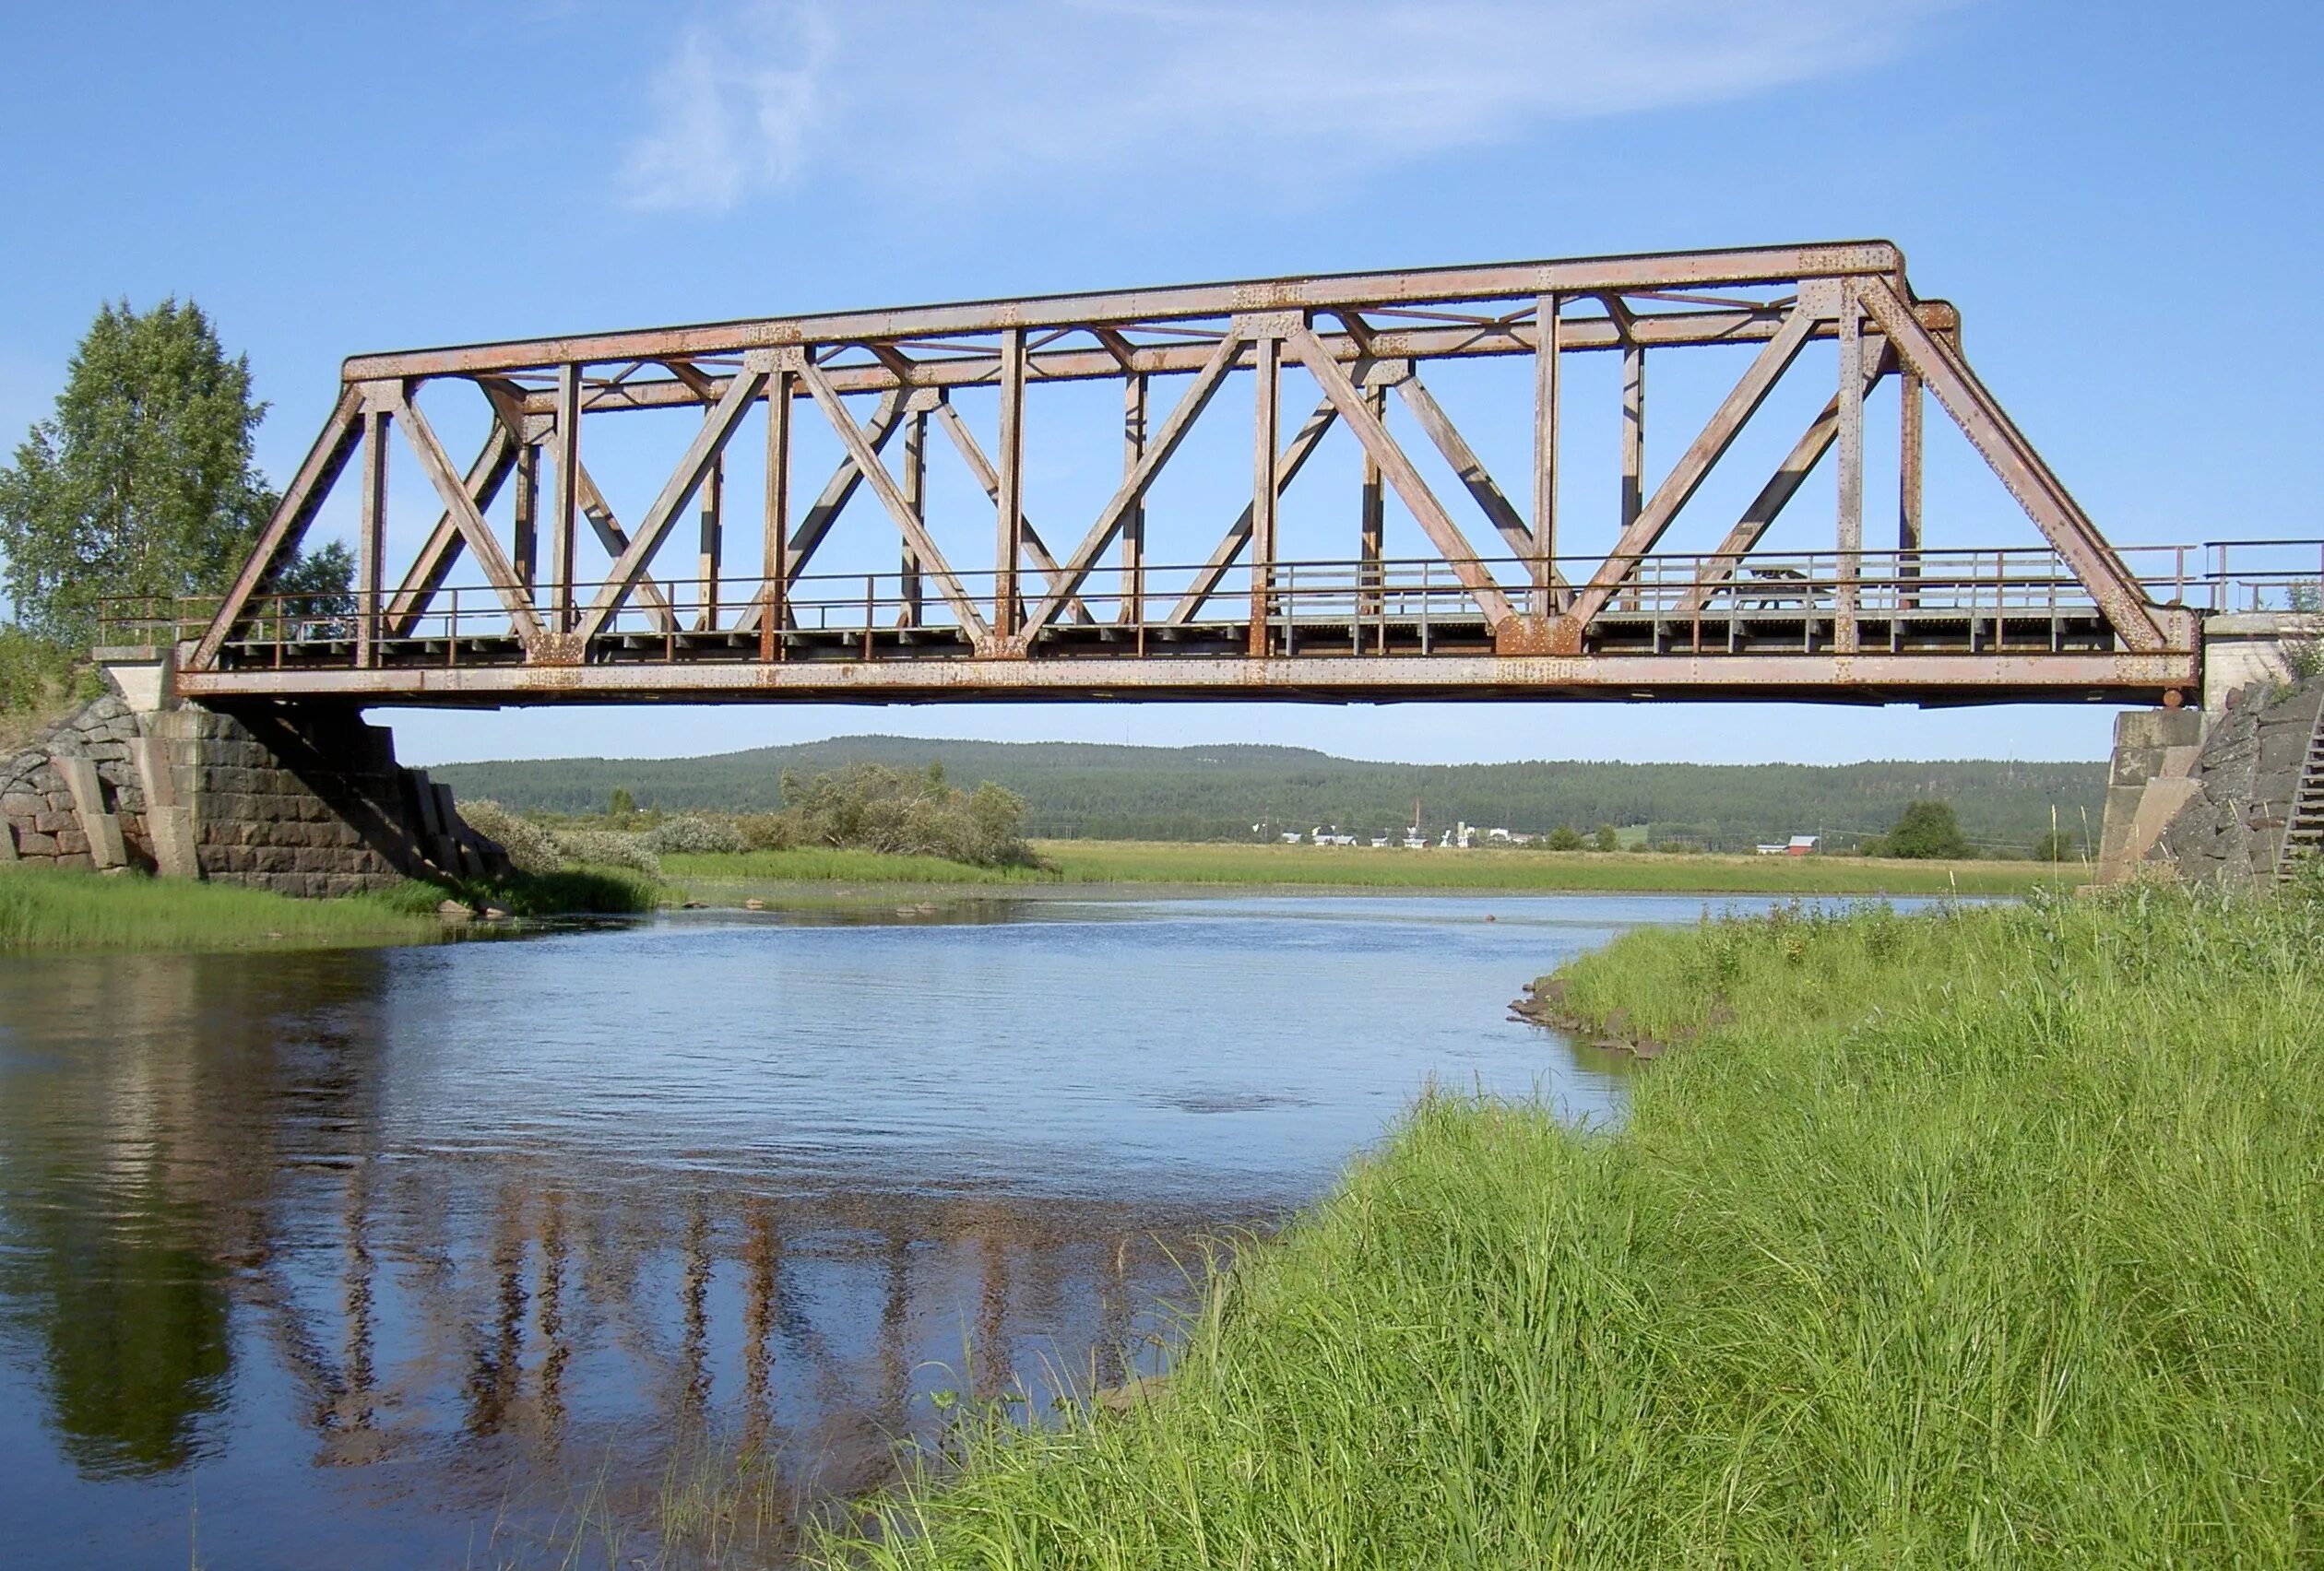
(1092, 790)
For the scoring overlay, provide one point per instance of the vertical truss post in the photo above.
(712, 502)
(528, 510)
(915, 487)
(1133, 431)
(1851, 459)
(567, 462)
(773, 570)
(1633, 442)
(1266, 421)
(1010, 461)
(1374, 507)
(371, 531)
(1908, 496)
(1545, 497)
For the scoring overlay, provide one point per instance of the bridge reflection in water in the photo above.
(384, 1249)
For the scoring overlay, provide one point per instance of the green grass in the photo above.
(815, 865)
(1981, 1237)
(50, 910)
(44, 909)
(571, 892)
(1098, 861)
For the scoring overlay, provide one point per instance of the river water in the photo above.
(420, 1256)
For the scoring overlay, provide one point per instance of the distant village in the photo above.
(1462, 835)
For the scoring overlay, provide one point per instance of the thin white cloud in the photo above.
(970, 94)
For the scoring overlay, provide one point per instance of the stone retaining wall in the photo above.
(303, 802)
(2206, 796)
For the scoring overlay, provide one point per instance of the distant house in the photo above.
(1802, 845)
(1778, 849)
(1292, 837)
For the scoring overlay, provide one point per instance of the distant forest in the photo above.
(1095, 791)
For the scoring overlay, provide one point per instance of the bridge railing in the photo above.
(1308, 604)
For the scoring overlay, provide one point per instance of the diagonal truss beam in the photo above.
(1687, 476)
(1396, 467)
(490, 558)
(608, 529)
(434, 564)
(340, 435)
(1473, 474)
(891, 495)
(1997, 438)
(1165, 442)
(1774, 496)
(887, 419)
(1035, 550)
(717, 429)
(1289, 463)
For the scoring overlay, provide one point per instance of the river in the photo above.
(418, 1255)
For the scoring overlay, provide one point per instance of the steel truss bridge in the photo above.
(1107, 609)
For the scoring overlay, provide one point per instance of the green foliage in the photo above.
(45, 909)
(603, 848)
(1565, 837)
(565, 892)
(38, 676)
(2304, 657)
(1607, 838)
(1903, 1261)
(870, 806)
(695, 837)
(319, 584)
(1076, 790)
(620, 804)
(821, 863)
(530, 849)
(2058, 845)
(141, 483)
(1925, 830)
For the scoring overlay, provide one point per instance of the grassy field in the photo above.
(40, 909)
(818, 865)
(1978, 1238)
(1098, 861)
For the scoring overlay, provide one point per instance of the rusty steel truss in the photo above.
(1097, 611)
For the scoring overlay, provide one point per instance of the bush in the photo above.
(695, 837)
(603, 848)
(1565, 837)
(766, 832)
(1925, 830)
(869, 807)
(529, 848)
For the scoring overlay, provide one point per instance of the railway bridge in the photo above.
(530, 587)
(518, 579)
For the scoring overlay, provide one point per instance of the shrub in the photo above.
(869, 807)
(529, 847)
(1925, 830)
(1565, 837)
(693, 835)
(603, 848)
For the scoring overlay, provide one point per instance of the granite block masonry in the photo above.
(2205, 795)
(301, 800)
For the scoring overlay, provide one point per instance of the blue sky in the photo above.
(2120, 198)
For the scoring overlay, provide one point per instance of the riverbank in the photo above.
(64, 910)
(1097, 862)
(1978, 1237)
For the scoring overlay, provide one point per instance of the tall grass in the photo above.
(47, 909)
(820, 865)
(1986, 1237)
(1097, 861)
